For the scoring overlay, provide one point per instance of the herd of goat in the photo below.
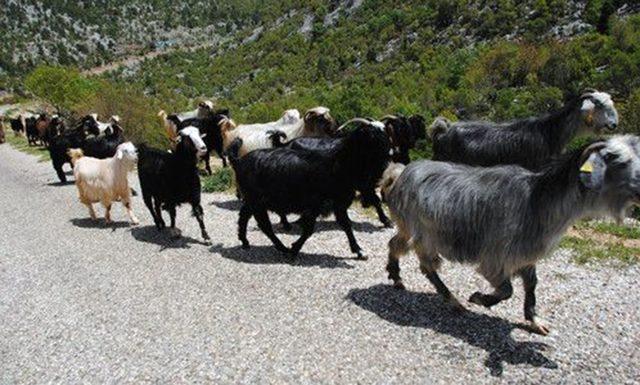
(497, 195)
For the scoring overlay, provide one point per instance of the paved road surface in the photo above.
(85, 303)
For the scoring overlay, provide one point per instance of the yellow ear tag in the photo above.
(587, 167)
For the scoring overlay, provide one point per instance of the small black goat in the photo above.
(208, 122)
(32, 131)
(403, 133)
(527, 142)
(17, 125)
(504, 218)
(170, 179)
(306, 182)
(366, 186)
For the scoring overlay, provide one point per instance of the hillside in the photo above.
(494, 59)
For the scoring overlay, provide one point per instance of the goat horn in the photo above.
(354, 120)
(597, 146)
(389, 117)
(587, 92)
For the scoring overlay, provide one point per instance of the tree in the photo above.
(62, 87)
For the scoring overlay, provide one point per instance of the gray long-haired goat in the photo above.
(527, 142)
(504, 218)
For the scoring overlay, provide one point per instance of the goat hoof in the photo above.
(361, 257)
(399, 285)
(477, 298)
(537, 327)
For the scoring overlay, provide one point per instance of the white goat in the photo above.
(317, 122)
(105, 180)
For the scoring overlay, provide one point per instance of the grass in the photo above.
(221, 181)
(611, 228)
(20, 143)
(587, 250)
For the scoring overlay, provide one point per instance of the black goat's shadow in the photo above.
(60, 184)
(268, 255)
(100, 223)
(427, 310)
(150, 234)
(231, 204)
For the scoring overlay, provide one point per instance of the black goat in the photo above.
(58, 147)
(366, 186)
(306, 182)
(209, 125)
(527, 142)
(170, 179)
(403, 133)
(17, 125)
(97, 147)
(32, 131)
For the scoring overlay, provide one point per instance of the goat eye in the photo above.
(609, 157)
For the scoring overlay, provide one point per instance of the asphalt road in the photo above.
(81, 302)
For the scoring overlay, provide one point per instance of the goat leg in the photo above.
(308, 222)
(265, 225)
(207, 166)
(529, 282)
(198, 212)
(158, 215)
(343, 220)
(285, 222)
(386, 222)
(132, 216)
(243, 221)
(398, 246)
(502, 292)
(428, 266)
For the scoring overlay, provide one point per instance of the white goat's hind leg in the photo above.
(92, 212)
(107, 211)
(127, 204)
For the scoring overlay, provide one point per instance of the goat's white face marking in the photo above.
(291, 116)
(623, 169)
(127, 151)
(194, 134)
(600, 109)
(378, 125)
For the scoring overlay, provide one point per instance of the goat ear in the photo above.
(587, 109)
(203, 135)
(592, 171)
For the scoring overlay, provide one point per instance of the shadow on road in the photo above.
(427, 310)
(322, 225)
(231, 204)
(149, 234)
(60, 184)
(267, 255)
(88, 223)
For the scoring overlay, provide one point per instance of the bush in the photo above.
(222, 180)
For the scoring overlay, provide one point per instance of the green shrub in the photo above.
(221, 180)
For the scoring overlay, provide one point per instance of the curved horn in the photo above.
(587, 92)
(354, 120)
(593, 147)
(388, 117)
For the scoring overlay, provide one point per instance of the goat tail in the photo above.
(389, 177)
(75, 154)
(277, 137)
(438, 127)
(233, 151)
